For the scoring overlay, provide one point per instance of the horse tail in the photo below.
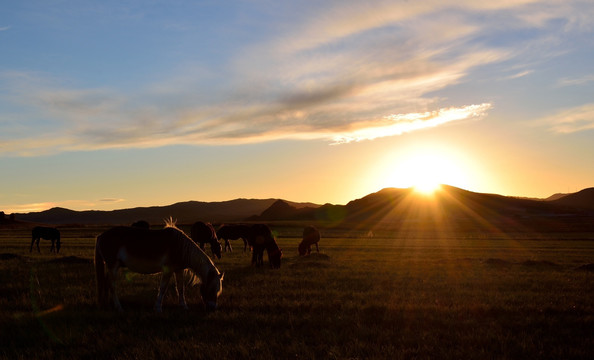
(101, 276)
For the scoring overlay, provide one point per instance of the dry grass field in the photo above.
(464, 296)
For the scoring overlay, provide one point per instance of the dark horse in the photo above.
(261, 238)
(233, 232)
(142, 224)
(48, 233)
(168, 251)
(311, 236)
(203, 233)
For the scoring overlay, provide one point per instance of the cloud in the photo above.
(336, 72)
(42, 206)
(4, 28)
(402, 123)
(572, 120)
(576, 81)
(112, 200)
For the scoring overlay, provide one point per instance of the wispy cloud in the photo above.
(576, 81)
(42, 206)
(4, 28)
(336, 72)
(112, 200)
(403, 123)
(572, 120)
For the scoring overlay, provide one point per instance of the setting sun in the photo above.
(426, 187)
(425, 168)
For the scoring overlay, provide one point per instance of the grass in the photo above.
(509, 297)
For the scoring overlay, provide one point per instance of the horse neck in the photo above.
(198, 261)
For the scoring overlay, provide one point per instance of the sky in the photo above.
(118, 104)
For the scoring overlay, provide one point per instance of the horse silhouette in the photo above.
(261, 238)
(203, 233)
(143, 224)
(233, 232)
(311, 236)
(47, 233)
(168, 251)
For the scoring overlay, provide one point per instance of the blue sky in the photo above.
(111, 104)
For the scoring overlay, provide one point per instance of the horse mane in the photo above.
(170, 223)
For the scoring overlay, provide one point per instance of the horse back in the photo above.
(233, 232)
(203, 232)
(48, 233)
(311, 235)
(143, 244)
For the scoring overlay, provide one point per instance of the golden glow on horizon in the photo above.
(425, 168)
(427, 188)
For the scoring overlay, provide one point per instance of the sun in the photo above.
(424, 170)
(427, 187)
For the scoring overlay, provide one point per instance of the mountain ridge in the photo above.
(395, 206)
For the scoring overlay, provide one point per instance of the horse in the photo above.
(168, 251)
(233, 232)
(311, 236)
(47, 233)
(261, 238)
(203, 233)
(143, 224)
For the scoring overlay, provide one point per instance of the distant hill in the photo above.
(450, 207)
(184, 212)
(583, 199)
(555, 196)
(454, 207)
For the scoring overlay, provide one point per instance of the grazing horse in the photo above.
(48, 233)
(261, 238)
(203, 233)
(168, 251)
(233, 232)
(141, 224)
(311, 236)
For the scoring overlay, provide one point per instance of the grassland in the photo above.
(460, 296)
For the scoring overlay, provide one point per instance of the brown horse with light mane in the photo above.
(168, 251)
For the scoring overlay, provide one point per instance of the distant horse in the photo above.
(233, 232)
(47, 233)
(203, 233)
(168, 251)
(261, 238)
(141, 224)
(311, 236)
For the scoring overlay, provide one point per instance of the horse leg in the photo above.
(32, 242)
(112, 274)
(53, 246)
(37, 243)
(165, 277)
(317, 248)
(228, 245)
(179, 279)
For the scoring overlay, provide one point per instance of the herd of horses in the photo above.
(172, 253)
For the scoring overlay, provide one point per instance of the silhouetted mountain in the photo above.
(184, 212)
(282, 210)
(555, 196)
(451, 206)
(582, 199)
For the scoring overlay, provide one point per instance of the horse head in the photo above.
(215, 246)
(274, 257)
(302, 248)
(211, 289)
